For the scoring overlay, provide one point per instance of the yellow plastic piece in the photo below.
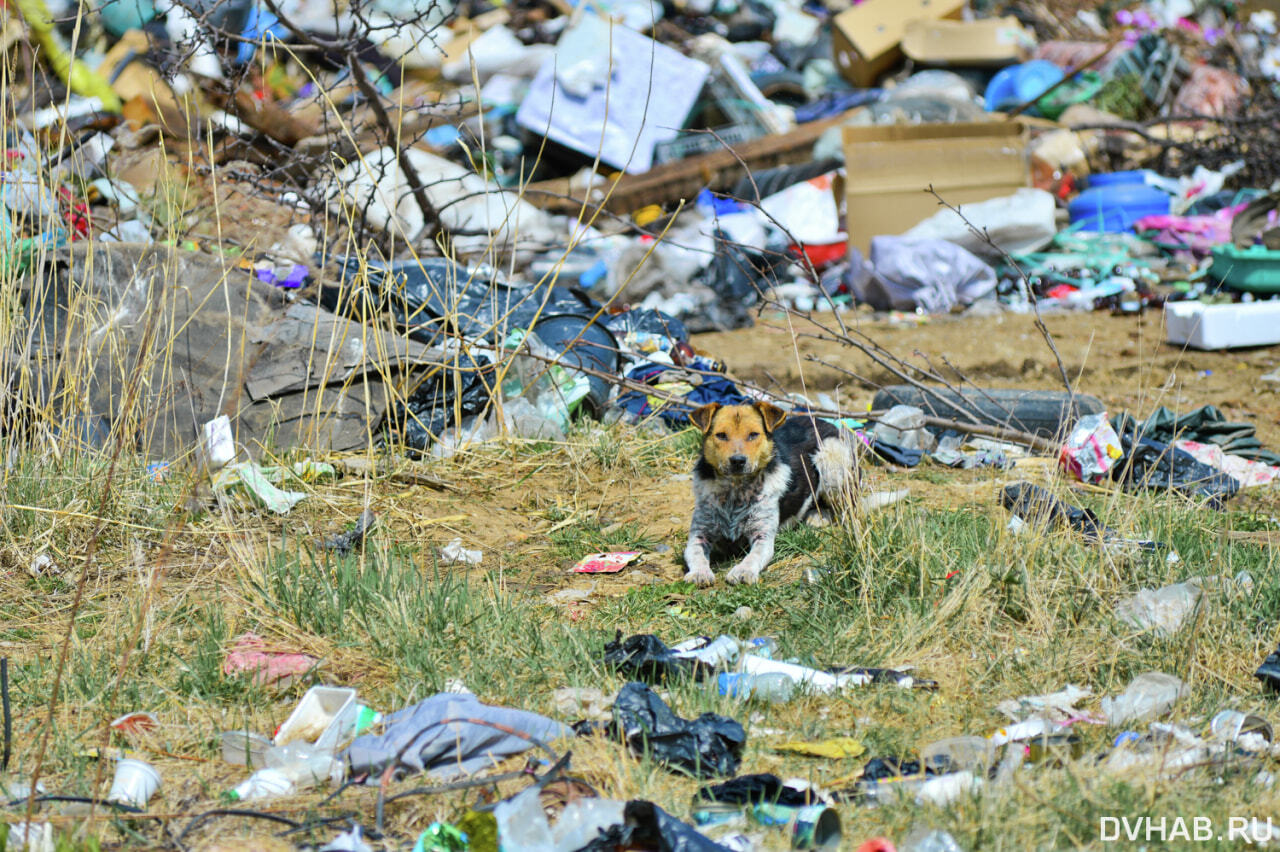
(78, 76)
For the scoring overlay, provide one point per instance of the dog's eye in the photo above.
(721, 436)
(753, 436)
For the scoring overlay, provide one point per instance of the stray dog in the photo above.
(756, 475)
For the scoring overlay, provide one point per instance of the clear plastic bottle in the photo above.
(720, 652)
(925, 840)
(304, 764)
(773, 687)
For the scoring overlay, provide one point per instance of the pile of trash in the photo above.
(550, 198)
(453, 169)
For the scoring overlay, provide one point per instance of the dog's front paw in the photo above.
(743, 572)
(700, 577)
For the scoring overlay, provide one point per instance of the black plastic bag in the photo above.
(437, 403)
(754, 790)
(1150, 464)
(706, 747)
(644, 657)
(650, 827)
(433, 295)
(735, 276)
(883, 768)
(1269, 672)
(646, 320)
(1039, 508)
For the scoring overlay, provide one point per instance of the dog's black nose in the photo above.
(738, 462)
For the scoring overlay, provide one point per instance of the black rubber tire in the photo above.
(1048, 414)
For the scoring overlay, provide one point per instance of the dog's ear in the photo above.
(702, 417)
(771, 415)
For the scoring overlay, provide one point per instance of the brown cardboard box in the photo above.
(989, 41)
(889, 169)
(865, 39)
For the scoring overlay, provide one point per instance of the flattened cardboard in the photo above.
(865, 39)
(889, 169)
(985, 42)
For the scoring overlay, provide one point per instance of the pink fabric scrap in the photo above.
(1247, 472)
(249, 655)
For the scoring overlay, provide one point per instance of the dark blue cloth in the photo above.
(676, 413)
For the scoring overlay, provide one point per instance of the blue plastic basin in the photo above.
(1115, 207)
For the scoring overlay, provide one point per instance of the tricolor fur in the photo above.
(760, 471)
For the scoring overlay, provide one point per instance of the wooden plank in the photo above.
(684, 179)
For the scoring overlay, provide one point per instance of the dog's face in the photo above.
(736, 438)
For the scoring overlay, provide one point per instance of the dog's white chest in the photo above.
(740, 510)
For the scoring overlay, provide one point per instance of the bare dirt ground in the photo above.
(1122, 360)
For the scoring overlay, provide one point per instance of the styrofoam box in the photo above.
(325, 716)
(1222, 326)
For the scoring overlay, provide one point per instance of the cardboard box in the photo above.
(865, 40)
(985, 42)
(889, 169)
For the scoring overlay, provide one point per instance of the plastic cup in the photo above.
(953, 754)
(1230, 725)
(134, 784)
(245, 748)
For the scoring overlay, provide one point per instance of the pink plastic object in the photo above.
(251, 656)
(1198, 233)
(606, 563)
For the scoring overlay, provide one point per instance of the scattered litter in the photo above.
(135, 723)
(43, 564)
(261, 482)
(345, 542)
(134, 784)
(441, 837)
(606, 563)
(1056, 707)
(1149, 696)
(448, 735)
(348, 841)
(1164, 610)
(250, 655)
(1032, 504)
(580, 702)
(708, 746)
(1091, 450)
(454, 553)
(836, 748)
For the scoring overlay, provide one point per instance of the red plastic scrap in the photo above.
(136, 722)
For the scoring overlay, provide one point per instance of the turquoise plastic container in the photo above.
(1017, 84)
